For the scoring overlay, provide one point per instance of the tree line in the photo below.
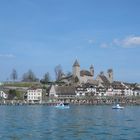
(30, 76)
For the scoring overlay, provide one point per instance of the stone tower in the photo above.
(76, 69)
(92, 70)
(110, 75)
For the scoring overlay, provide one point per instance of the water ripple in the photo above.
(76, 123)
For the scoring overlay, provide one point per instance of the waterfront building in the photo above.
(109, 92)
(34, 95)
(91, 89)
(120, 88)
(80, 91)
(136, 91)
(52, 91)
(72, 91)
(100, 91)
(62, 91)
(3, 95)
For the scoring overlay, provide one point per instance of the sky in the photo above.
(41, 34)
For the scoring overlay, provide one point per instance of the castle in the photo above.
(87, 76)
(83, 75)
(84, 83)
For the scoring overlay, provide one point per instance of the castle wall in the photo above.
(84, 79)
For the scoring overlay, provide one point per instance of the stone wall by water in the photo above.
(83, 100)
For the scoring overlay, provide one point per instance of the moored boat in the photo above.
(62, 105)
(117, 106)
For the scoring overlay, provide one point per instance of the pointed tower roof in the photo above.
(110, 70)
(76, 63)
(91, 67)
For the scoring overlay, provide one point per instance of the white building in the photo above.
(34, 95)
(52, 92)
(109, 92)
(3, 95)
(136, 91)
(101, 91)
(80, 91)
(86, 90)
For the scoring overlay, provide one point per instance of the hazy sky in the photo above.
(40, 34)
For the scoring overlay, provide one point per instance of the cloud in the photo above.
(131, 41)
(7, 55)
(105, 45)
(91, 41)
(128, 42)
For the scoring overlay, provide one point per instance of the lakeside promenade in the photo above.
(78, 101)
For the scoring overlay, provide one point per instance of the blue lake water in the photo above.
(77, 123)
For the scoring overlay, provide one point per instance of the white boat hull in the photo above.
(62, 107)
(114, 107)
(117, 107)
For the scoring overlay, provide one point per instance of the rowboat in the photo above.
(62, 106)
(117, 106)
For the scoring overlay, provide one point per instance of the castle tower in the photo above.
(76, 69)
(110, 75)
(92, 70)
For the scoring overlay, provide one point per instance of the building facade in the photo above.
(34, 95)
(3, 95)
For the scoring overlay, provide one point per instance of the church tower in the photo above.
(92, 70)
(110, 75)
(76, 69)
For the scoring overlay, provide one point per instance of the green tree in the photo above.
(15, 94)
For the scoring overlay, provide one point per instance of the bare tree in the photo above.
(47, 77)
(58, 72)
(14, 75)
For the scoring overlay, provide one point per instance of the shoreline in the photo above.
(88, 100)
(71, 103)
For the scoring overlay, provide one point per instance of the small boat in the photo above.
(117, 106)
(62, 105)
